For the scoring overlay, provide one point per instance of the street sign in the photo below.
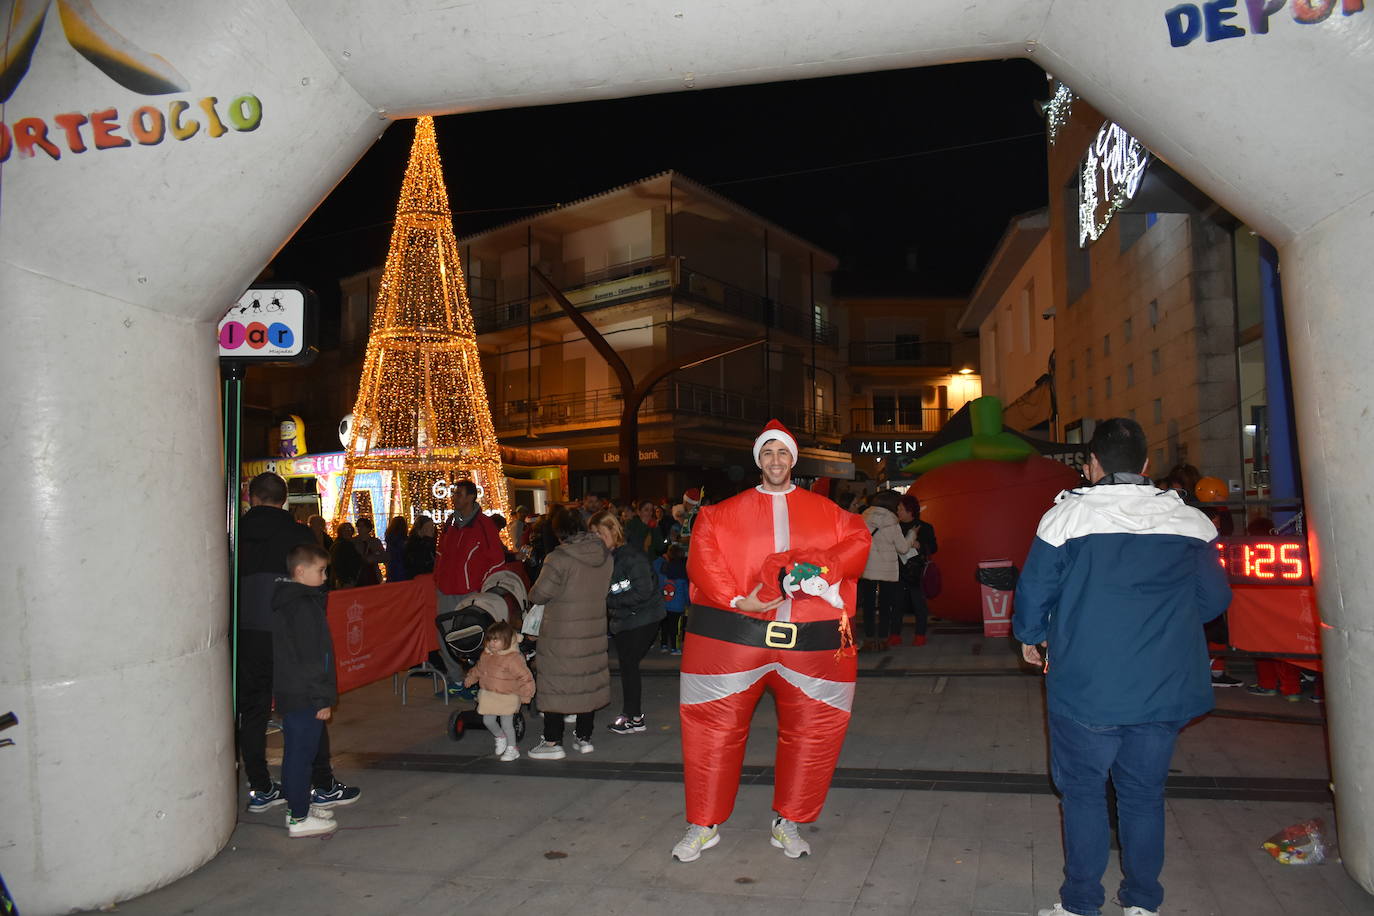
(271, 324)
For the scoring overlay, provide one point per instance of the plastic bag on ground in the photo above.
(1307, 843)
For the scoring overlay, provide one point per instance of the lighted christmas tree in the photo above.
(422, 409)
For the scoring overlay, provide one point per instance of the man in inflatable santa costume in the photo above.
(773, 574)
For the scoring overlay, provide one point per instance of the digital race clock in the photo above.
(1265, 560)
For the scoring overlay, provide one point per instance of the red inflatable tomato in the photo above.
(985, 510)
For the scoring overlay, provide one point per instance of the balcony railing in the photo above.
(932, 353)
(603, 406)
(898, 420)
(646, 277)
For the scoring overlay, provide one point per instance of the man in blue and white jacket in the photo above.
(1116, 588)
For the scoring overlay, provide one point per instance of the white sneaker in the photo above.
(786, 838)
(582, 746)
(697, 838)
(501, 744)
(1139, 911)
(309, 826)
(547, 750)
(317, 811)
(1056, 910)
(510, 753)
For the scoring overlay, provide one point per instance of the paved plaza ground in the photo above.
(941, 807)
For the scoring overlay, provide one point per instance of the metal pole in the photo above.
(232, 402)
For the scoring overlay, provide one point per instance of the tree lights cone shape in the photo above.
(422, 409)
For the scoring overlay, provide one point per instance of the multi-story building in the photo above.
(665, 269)
(907, 370)
(1144, 298)
(1011, 312)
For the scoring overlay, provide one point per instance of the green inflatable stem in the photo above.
(989, 441)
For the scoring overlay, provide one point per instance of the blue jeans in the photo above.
(300, 741)
(1137, 758)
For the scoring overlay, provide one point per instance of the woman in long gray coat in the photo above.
(573, 672)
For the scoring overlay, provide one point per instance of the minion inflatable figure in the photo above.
(292, 442)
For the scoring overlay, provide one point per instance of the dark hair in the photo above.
(366, 524)
(503, 631)
(498, 520)
(1185, 477)
(397, 525)
(674, 552)
(885, 499)
(302, 554)
(565, 524)
(339, 531)
(1119, 445)
(268, 488)
(465, 485)
(912, 505)
(645, 502)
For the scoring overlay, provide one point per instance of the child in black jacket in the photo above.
(303, 682)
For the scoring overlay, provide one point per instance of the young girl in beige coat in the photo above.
(506, 684)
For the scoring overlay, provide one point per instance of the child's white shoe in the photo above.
(510, 753)
(500, 745)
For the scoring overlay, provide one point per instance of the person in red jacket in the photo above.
(468, 550)
(773, 575)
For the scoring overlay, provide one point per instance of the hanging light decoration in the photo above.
(422, 410)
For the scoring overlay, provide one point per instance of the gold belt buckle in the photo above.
(781, 634)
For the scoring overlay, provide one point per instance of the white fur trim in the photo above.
(783, 437)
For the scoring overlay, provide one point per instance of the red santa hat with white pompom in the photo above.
(775, 430)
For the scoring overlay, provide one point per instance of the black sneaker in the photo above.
(334, 796)
(1225, 680)
(624, 725)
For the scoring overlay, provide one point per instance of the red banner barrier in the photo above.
(1276, 619)
(381, 629)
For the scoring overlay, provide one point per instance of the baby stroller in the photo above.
(462, 632)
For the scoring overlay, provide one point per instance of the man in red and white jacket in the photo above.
(773, 573)
(468, 550)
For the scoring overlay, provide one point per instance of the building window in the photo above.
(1077, 265)
(1130, 375)
(1126, 330)
(1073, 405)
(1073, 369)
(1027, 312)
(1154, 312)
(1159, 410)
(1088, 358)
(1106, 345)
(895, 410)
(1109, 387)
(1090, 397)
(1154, 362)
(906, 347)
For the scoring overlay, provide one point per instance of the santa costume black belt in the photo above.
(741, 629)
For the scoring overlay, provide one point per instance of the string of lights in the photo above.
(422, 411)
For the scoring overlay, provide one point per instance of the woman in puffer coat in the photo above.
(635, 605)
(573, 670)
(879, 589)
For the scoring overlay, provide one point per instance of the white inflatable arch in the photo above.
(156, 153)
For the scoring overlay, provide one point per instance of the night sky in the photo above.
(908, 176)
